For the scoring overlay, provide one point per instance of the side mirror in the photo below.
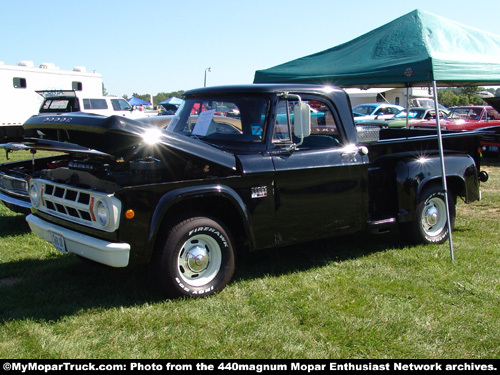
(302, 120)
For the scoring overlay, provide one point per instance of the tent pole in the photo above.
(407, 104)
(443, 171)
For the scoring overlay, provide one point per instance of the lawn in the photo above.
(362, 296)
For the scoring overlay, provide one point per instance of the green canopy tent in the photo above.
(413, 50)
(417, 49)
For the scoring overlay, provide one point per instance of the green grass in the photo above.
(361, 296)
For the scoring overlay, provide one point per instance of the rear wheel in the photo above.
(196, 259)
(431, 222)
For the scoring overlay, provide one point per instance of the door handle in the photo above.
(353, 151)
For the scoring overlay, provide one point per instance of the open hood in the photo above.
(494, 102)
(117, 136)
(50, 145)
(106, 134)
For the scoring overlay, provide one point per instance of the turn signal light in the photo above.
(129, 214)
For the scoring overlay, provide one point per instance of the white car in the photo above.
(67, 101)
(375, 111)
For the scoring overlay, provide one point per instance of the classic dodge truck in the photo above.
(236, 168)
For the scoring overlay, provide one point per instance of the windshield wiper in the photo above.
(205, 139)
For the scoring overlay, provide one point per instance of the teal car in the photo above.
(413, 116)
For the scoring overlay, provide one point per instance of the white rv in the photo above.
(18, 86)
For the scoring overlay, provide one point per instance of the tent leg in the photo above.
(407, 104)
(443, 171)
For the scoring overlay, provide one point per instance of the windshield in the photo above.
(413, 114)
(364, 109)
(240, 119)
(477, 113)
(466, 113)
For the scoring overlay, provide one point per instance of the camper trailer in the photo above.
(18, 86)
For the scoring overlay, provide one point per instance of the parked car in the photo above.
(472, 117)
(490, 142)
(427, 103)
(468, 117)
(414, 116)
(63, 101)
(375, 111)
(168, 109)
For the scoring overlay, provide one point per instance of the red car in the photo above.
(473, 117)
(491, 142)
(467, 118)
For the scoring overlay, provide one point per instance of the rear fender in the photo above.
(413, 176)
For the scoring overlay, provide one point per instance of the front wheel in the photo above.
(431, 222)
(196, 259)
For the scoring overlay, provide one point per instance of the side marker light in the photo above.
(129, 214)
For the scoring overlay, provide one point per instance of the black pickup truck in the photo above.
(237, 168)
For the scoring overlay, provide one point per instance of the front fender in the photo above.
(179, 195)
(413, 176)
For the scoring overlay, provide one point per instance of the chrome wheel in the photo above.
(194, 258)
(431, 221)
(434, 216)
(199, 260)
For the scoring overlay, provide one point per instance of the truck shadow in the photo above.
(308, 255)
(13, 225)
(50, 289)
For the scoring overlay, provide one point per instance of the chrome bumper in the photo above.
(67, 241)
(14, 201)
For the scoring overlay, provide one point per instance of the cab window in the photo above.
(95, 104)
(324, 131)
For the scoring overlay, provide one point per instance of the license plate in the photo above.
(58, 242)
(493, 148)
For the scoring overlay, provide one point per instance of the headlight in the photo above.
(35, 194)
(102, 213)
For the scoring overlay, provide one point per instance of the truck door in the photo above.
(319, 186)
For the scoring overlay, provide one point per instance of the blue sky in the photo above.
(164, 46)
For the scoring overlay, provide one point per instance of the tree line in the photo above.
(161, 96)
(453, 96)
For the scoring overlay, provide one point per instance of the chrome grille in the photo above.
(76, 205)
(67, 202)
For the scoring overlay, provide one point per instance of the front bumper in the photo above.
(67, 241)
(16, 204)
